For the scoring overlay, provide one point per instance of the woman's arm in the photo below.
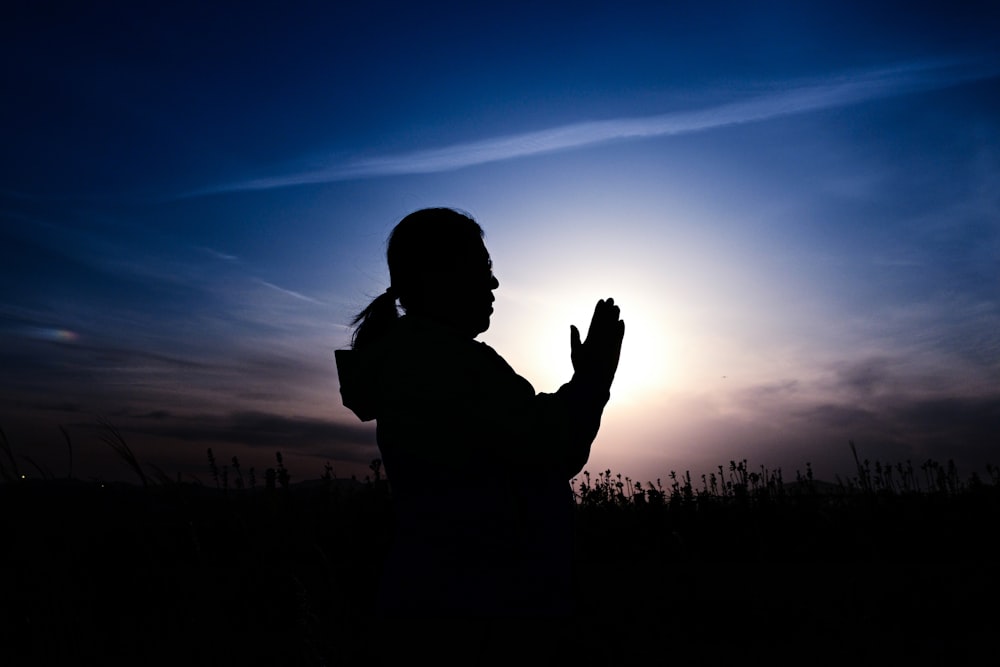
(569, 419)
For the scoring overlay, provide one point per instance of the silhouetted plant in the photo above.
(43, 471)
(283, 476)
(239, 475)
(160, 476)
(114, 439)
(9, 472)
(213, 468)
(69, 450)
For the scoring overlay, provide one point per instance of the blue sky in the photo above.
(795, 204)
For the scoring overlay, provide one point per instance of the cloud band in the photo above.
(833, 92)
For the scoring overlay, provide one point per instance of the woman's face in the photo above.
(462, 291)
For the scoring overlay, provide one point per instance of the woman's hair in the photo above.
(426, 242)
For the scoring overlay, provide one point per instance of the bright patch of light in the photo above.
(646, 360)
(537, 341)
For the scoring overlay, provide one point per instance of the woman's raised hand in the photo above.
(596, 359)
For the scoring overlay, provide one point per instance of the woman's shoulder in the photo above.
(411, 334)
(435, 349)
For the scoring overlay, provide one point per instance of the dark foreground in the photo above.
(184, 574)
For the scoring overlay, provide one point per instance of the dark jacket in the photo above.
(478, 465)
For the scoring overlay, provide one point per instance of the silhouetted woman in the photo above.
(478, 462)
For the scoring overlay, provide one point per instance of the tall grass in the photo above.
(232, 572)
(8, 470)
(735, 481)
(112, 437)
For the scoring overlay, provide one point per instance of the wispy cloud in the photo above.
(225, 257)
(288, 292)
(783, 100)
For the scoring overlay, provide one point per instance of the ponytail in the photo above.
(426, 238)
(374, 321)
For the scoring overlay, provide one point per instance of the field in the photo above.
(897, 565)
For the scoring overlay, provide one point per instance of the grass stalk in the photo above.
(114, 439)
(10, 471)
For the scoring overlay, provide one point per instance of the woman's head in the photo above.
(439, 269)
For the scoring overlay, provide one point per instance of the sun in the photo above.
(644, 366)
(536, 340)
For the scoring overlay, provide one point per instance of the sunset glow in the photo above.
(796, 209)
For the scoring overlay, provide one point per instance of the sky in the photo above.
(796, 205)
